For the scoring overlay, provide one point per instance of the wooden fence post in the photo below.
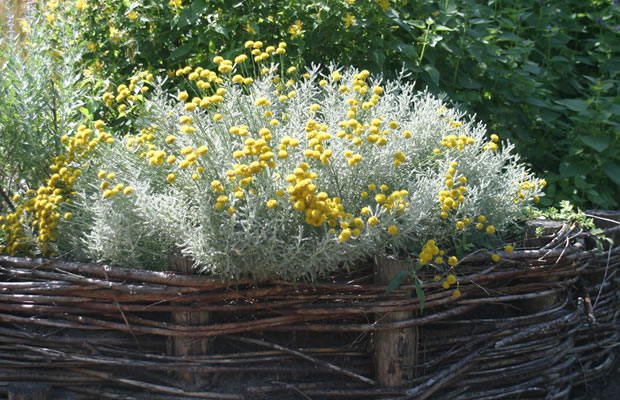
(187, 346)
(538, 233)
(395, 349)
(28, 391)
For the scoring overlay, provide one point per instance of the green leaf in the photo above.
(613, 108)
(570, 168)
(134, 5)
(181, 51)
(531, 67)
(378, 57)
(394, 17)
(536, 102)
(613, 172)
(417, 266)
(581, 183)
(418, 24)
(468, 83)
(452, 48)
(222, 30)
(420, 293)
(448, 7)
(478, 21)
(404, 48)
(508, 36)
(444, 28)
(396, 280)
(191, 14)
(85, 111)
(578, 105)
(598, 143)
(549, 116)
(433, 73)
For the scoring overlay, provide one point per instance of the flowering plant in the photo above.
(42, 92)
(259, 170)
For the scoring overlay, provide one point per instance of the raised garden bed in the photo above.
(533, 325)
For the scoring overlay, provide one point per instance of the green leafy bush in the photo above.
(281, 175)
(546, 74)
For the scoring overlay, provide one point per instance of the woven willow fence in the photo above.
(530, 326)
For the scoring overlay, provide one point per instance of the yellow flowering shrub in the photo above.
(257, 169)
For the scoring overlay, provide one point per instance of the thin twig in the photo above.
(304, 356)
(600, 290)
(160, 388)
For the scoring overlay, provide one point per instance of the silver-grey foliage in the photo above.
(252, 240)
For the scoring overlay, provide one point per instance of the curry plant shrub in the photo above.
(289, 174)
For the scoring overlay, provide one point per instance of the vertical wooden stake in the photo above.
(547, 228)
(28, 391)
(396, 349)
(187, 346)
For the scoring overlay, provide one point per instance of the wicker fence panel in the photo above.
(533, 325)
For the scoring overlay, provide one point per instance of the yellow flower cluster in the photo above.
(528, 186)
(490, 229)
(359, 82)
(203, 78)
(259, 54)
(222, 199)
(285, 143)
(186, 124)
(108, 189)
(157, 157)
(492, 145)
(316, 135)
(458, 142)
(259, 149)
(318, 207)
(146, 135)
(175, 4)
(395, 201)
(127, 95)
(453, 194)
(449, 281)
(385, 4)
(400, 158)
(431, 253)
(295, 29)
(375, 136)
(40, 210)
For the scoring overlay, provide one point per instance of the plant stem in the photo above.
(456, 70)
(6, 199)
